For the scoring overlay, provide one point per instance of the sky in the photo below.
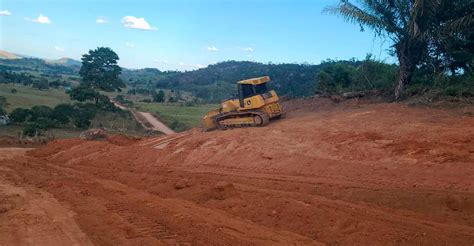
(185, 34)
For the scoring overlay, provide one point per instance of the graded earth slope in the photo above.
(346, 174)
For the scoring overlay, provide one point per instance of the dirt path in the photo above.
(149, 119)
(335, 175)
(155, 123)
(31, 216)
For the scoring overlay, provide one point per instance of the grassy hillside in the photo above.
(27, 97)
(176, 116)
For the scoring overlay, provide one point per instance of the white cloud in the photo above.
(60, 49)
(41, 19)
(101, 20)
(165, 62)
(181, 63)
(5, 12)
(200, 66)
(136, 23)
(129, 45)
(212, 48)
(246, 49)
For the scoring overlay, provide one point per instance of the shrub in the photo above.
(40, 111)
(20, 115)
(62, 113)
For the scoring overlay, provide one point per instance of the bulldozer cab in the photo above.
(252, 87)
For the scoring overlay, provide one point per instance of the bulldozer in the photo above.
(254, 105)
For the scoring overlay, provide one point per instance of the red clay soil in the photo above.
(335, 174)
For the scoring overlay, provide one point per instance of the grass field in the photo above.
(177, 116)
(27, 97)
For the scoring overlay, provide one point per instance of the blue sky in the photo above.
(184, 34)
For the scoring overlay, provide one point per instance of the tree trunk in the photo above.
(404, 78)
(406, 68)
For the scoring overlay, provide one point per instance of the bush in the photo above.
(13, 91)
(159, 97)
(62, 113)
(454, 90)
(83, 114)
(20, 115)
(178, 126)
(40, 111)
(31, 130)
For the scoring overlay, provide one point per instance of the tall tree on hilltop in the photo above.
(100, 71)
(410, 24)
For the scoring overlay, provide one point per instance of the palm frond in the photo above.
(354, 14)
(423, 13)
(461, 23)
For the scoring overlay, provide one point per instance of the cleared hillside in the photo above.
(345, 174)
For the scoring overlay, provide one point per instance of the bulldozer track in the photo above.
(263, 116)
(145, 227)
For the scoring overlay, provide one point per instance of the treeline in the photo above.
(41, 118)
(145, 78)
(43, 82)
(37, 65)
(432, 40)
(217, 82)
(337, 77)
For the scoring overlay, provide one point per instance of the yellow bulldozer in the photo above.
(254, 105)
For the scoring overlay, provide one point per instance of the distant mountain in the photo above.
(8, 55)
(65, 62)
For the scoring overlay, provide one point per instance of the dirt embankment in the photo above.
(363, 174)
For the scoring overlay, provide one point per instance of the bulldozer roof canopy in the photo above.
(255, 81)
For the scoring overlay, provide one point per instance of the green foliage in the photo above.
(218, 82)
(178, 126)
(100, 71)
(41, 84)
(423, 32)
(13, 91)
(159, 97)
(19, 115)
(344, 76)
(83, 114)
(62, 113)
(83, 93)
(31, 130)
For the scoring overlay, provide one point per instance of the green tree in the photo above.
(410, 25)
(83, 93)
(39, 111)
(62, 113)
(159, 97)
(20, 115)
(83, 114)
(41, 84)
(100, 71)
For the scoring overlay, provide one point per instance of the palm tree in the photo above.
(406, 22)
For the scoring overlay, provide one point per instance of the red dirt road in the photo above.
(349, 174)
